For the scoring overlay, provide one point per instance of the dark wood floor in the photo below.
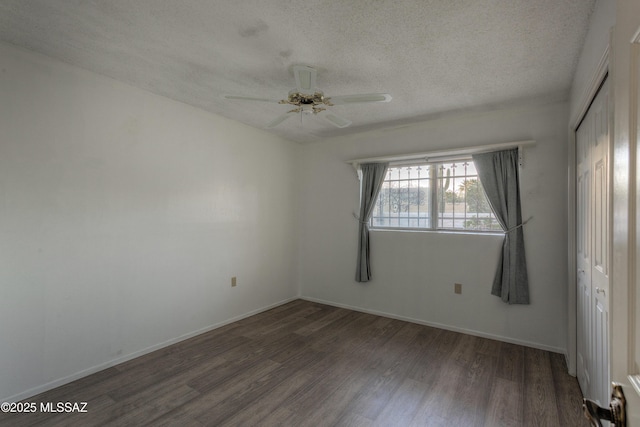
(307, 364)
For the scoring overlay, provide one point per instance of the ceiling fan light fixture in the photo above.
(305, 78)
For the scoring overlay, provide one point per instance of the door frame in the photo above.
(634, 215)
(597, 78)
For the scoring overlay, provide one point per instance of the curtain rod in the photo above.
(442, 154)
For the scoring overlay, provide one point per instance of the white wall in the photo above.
(123, 216)
(414, 272)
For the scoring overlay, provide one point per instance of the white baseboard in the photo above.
(442, 326)
(85, 372)
(566, 360)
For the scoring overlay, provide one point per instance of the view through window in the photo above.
(434, 196)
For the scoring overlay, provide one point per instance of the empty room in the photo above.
(319, 213)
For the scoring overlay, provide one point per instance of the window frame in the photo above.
(433, 207)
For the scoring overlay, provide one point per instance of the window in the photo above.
(434, 196)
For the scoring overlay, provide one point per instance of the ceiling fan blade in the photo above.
(305, 79)
(359, 99)
(275, 122)
(337, 121)
(249, 98)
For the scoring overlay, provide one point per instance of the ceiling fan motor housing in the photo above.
(298, 99)
(307, 103)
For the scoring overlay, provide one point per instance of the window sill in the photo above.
(423, 230)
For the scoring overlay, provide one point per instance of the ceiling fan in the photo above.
(308, 99)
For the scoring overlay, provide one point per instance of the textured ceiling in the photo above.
(433, 56)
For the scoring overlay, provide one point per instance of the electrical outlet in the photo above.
(457, 288)
(233, 281)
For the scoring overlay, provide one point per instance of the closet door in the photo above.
(600, 247)
(592, 234)
(583, 257)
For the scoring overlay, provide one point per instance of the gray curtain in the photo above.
(498, 174)
(372, 177)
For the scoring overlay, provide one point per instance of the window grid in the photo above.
(434, 196)
(403, 199)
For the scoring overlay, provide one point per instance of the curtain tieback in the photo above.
(518, 226)
(358, 218)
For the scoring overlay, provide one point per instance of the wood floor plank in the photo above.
(276, 418)
(236, 401)
(260, 387)
(539, 395)
(397, 348)
(322, 322)
(305, 363)
(151, 404)
(403, 405)
(327, 339)
(568, 394)
(333, 405)
(212, 397)
(471, 404)
(379, 353)
(135, 410)
(439, 402)
(375, 394)
(323, 310)
(511, 362)
(168, 381)
(254, 413)
(174, 419)
(213, 377)
(353, 420)
(465, 349)
(426, 365)
(310, 398)
(261, 348)
(389, 366)
(489, 347)
(364, 345)
(505, 407)
(271, 325)
(433, 421)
